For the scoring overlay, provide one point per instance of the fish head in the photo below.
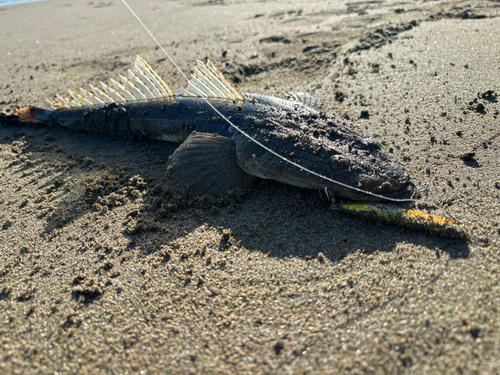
(364, 165)
(352, 163)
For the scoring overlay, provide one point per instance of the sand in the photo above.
(103, 269)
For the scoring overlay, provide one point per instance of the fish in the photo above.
(248, 136)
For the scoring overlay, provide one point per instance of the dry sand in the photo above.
(104, 269)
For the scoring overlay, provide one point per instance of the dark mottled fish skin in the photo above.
(315, 140)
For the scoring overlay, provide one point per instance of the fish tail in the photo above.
(22, 114)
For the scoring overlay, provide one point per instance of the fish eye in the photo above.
(338, 162)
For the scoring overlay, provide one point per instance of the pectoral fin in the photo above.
(206, 164)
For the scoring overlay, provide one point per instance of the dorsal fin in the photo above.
(208, 82)
(143, 84)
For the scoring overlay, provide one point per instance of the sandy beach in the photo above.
(105, 269)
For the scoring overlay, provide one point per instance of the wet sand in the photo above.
(103, 268)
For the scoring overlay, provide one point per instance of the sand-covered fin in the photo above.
(208, 82)
(143, 83)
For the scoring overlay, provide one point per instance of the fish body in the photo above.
(215, 156)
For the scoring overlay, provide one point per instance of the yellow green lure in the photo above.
(407, 217)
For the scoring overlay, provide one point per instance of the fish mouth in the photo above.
(407, 191)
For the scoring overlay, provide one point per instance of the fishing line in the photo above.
(252, 139)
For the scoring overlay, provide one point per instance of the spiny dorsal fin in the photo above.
(208, 82)
(143, 84)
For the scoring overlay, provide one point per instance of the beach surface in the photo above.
(105, 269)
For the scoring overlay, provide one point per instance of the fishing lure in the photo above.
(407, 217)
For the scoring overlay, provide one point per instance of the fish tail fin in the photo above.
(22, 114)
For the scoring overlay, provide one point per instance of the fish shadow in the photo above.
(307, 227)
(283, 221)
(65, 175)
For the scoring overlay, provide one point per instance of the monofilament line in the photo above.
(252, 139)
